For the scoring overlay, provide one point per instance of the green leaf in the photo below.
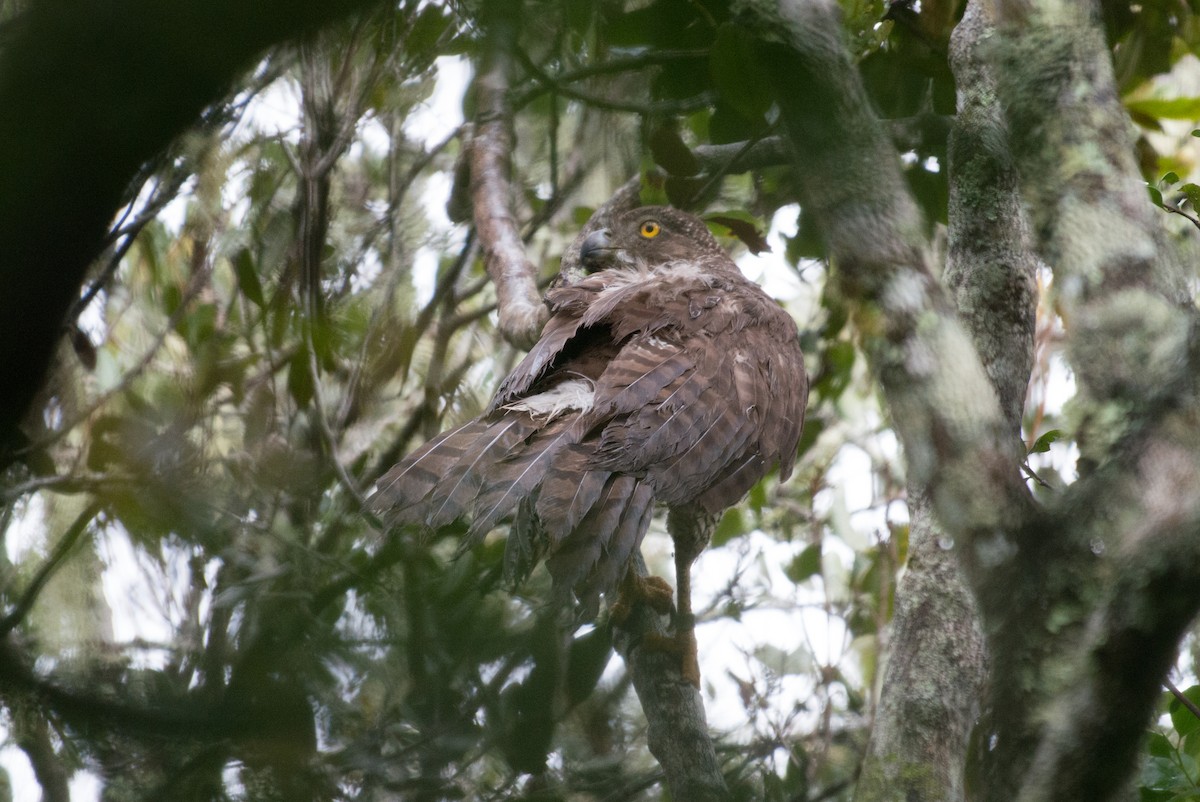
(1192, 191)
(581, 214)
(671, 152)
(732, 525)
(1178, 108)
(1042, 444)
(1160, 774)
(758, 498)
(806, 564)
(1182, 719)
(737, 74)
(654, 190)
(427, 30)
(1159, 745)
(1191, 744)
(837, 365)
(1169, 178)
(813, 427)
(247, 277)
(1155, 196)
(299, 380)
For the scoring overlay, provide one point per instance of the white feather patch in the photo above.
(569, 396)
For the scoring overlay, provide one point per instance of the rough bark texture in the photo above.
(929, 701)
(1119, 585)
(990, 269)
(947, 415)
(935, 675)
(519, 302)
(958, 437)
(1082, 600)
(91, 93)
(1073, 596)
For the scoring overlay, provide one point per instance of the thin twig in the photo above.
(55, 561)
(193, 289)
(662, 108)
(1183, 700)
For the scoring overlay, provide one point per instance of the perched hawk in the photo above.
(663, 376)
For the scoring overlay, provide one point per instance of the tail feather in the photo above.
(578, 553)
(458, 489)
(611, 567)
(402, 490)
(519, 473)
(570, 490)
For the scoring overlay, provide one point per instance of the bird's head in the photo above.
(648, 236)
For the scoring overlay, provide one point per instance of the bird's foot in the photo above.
(652, 590)
(683, 644)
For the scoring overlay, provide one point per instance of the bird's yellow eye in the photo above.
(650, 229)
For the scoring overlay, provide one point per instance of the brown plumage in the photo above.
(663, 377)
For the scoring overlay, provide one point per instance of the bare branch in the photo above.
(522, 312)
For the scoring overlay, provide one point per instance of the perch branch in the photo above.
(522, 312)
(678, 730)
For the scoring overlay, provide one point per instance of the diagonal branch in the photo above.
(522, 312)
(1117, 285)
(678, 729)
(946, 412)
(57, 557)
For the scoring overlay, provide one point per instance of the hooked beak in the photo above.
(594, 248)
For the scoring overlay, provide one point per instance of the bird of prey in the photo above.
(663, 376)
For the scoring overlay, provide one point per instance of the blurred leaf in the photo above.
(737, 74)
(745, 230)
(1182, 719)
(806, 564)
(727, 124)
(730, 526)
(247, 277)
(671, 153)
(837, 365)
(431, 24)
(758, 498)
(1159, 746)
(813, 427)
(299, 378)
(1180, 108)
(82, 345)
(589, 656)
(1042, 444)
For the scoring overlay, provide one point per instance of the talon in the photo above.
(681, 644)
(658, 593)
(651, 590)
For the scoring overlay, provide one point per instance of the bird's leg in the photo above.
(691, 529)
